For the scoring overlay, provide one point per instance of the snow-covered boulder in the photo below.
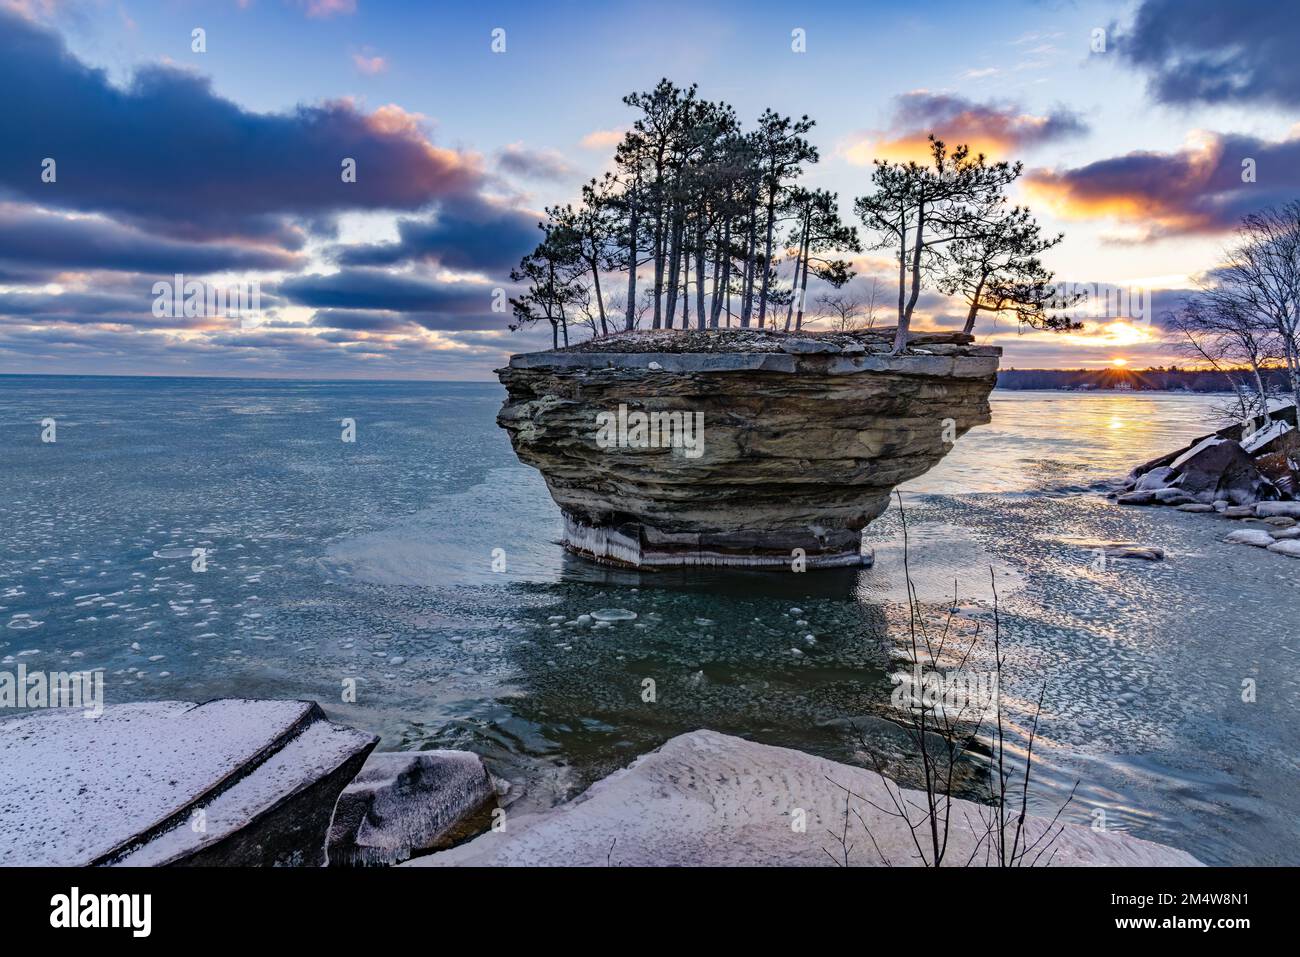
(1249, 536)
(1220, 469)
(710, 799)
(1269, 509)
(405, 803)
(230, 781)
(1156, 478)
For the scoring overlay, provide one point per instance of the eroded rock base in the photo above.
(637, 546)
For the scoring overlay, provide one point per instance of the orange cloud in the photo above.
(1205, 187)
(994, 129)
(601, 139)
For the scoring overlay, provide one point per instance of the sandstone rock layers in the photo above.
(800, 450)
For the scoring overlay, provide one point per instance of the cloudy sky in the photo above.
(224, 165)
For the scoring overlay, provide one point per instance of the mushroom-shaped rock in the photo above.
(745, 449)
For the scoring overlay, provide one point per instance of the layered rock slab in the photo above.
(230, 781)
(710, 799)
(800, 450)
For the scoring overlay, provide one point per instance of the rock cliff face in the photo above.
(737, 448)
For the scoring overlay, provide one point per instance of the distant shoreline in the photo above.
(1009, 380)
(1110, 390)
(1120, 379)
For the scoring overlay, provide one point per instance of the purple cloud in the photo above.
(168, 153)
(51, 241)
(471, 235)
(1205, 188)
(1207, 51)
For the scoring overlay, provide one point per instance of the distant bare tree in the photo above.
(1244, 321)
(844, 311)
(1217, 332)
(616, 304)
(587, 314)
(1261, 281)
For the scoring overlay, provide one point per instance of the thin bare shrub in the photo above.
(942, 736)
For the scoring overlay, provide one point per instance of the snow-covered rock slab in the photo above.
(404, 803)
(279, 814)
(706, 798)
(1258, 440)
(77, 790)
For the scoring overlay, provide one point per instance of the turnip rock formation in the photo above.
(738, 447)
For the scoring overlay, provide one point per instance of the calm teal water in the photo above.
(371, 563)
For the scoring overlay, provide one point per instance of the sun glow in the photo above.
(1115, 334)
(1119, 363)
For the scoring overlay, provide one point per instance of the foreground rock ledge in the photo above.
(227, 782)
(803, 439)
(710, 799)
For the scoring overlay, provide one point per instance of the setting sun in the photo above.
(1119, 362)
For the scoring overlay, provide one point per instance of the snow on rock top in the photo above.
(1264, 436)
(1199, 446)
(710, 799)
(317, 752)
(74, 789)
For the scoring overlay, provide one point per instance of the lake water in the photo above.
(370, 563)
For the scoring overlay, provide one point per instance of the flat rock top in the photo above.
(706, 798)
(74, 788)
(678, 341)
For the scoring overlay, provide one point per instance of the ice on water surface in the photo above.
(420, 563)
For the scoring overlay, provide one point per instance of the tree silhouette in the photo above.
(705, 205)
(997, 270)
(918, 208)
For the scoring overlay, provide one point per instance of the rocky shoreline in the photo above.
(1247, 473)
(228, 782)
(274, 783)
